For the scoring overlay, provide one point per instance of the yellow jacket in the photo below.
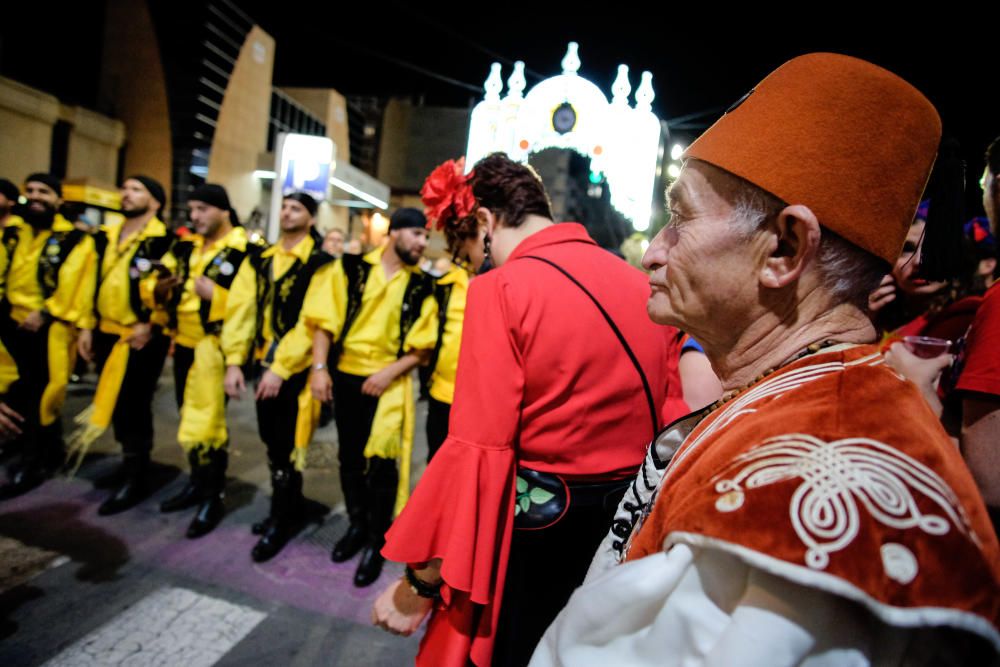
(187, 314)
(455, 285)
(123, 270)
(54, 270)
(373, 341)
(249, 311)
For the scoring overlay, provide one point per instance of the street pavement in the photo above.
(80, 589)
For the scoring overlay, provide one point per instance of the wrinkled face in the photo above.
(409, 243)
(333, 243)
(295, 216)
(703, 276)
(136, 199)
(41, 198)
(907, 267)
(207, 219)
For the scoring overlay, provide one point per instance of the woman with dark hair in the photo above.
(560, 381)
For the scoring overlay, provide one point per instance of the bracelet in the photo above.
(420, 587)
(319, 367)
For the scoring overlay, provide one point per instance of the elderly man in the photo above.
(818, 513)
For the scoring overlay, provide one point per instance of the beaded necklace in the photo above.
(733, 393)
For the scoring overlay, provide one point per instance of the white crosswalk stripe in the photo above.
(172, 626)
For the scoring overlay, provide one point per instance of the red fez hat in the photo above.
(850, 140)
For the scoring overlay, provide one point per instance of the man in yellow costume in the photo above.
(49, 274)
(380, 311)
(130, 349)
(9, 194)
(264, 305)
(202, 268)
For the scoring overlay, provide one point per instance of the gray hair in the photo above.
(848, 272)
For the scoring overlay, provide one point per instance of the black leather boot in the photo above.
(357, 532)
(382, 480)
(260, 527)
(370, 565)
(41, 458)
(286, 512)
(212, 507)
(24, 478)
(133, 487)
(190, 494)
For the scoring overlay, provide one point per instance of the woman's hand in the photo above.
(924, 373)
(883, 295)
(399, 610)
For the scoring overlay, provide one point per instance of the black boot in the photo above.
(212, 507)
(353, 485)
(262, 526)
(382, 480)
(370, 565)
(133, 489)
(286, 512)
(190, 494)
(23, 479)
(41, 458)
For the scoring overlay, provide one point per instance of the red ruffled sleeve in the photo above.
(462, 509)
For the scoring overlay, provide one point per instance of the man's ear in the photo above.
(795, 240)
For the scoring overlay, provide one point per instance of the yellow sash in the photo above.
(392, 433)
(62, 345)
(305, 425)
(203, 414)
(8, 369)
(96, 417)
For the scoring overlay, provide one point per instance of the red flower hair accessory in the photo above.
(447, 194)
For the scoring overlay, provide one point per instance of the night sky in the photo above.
(698, 65)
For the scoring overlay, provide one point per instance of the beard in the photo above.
(39, 219)
(135, 212)
(406, 255)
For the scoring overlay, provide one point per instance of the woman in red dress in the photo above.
(561, 377)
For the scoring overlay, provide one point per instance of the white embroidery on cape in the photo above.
(840, 478)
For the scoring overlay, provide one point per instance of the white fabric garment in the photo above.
(700, 606)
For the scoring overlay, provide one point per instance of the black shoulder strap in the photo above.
(654, 418)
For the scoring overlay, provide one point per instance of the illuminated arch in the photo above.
(568, 111)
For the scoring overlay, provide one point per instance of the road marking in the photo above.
(171, 626)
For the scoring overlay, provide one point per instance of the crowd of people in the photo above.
(777, 446)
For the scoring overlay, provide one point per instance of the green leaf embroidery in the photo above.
(539, 495)
(522, 485)
(525, 503)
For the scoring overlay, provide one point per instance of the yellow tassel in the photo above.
(96, 417)
(82, 438)
(298, 458)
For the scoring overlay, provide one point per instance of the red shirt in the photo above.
(542, 382)
(981, 370)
